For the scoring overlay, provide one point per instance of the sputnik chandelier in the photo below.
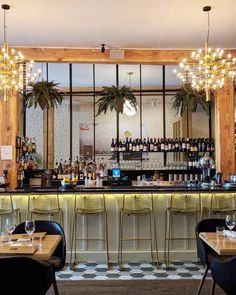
(15, 74)
(208, 69)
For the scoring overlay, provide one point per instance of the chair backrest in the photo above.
(206, 225)
(224, 274)
(51, 228)
(6, 203)
(223, 201)
(43, 202)
(90, 202)
(137, 201)
(185, 201)
(24, 276)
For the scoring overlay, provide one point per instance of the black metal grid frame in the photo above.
(159, 92)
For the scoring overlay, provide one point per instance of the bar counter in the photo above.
(92, 226)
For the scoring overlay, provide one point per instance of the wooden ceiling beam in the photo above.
(131, 56)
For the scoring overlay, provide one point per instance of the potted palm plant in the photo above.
(114, 98)
(186, 98)
(42, 93)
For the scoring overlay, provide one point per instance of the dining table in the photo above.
(40, 247)
(221, 244)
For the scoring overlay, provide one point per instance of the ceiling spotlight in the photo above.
(103, 49)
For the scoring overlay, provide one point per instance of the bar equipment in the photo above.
(206, 163)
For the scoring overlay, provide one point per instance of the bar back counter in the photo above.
(174, 208)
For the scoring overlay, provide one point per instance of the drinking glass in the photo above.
(230, 222)
(10, 226)
(220, 231)
(30, 228)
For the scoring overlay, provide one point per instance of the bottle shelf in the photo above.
(189, 152)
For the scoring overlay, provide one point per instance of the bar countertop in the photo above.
(120, 189)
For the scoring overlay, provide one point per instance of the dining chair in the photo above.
(204, 252)
(224, 274)
(51, 228)
(26, 276)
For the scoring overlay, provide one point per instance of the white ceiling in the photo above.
(119, 23)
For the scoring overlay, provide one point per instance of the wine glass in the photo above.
(30, 228)
(10, 226)
(230, 222)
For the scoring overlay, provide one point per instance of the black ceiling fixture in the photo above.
(103, 49)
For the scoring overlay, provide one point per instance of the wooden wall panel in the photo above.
(9, 125)
(224, 129)
(50, 138)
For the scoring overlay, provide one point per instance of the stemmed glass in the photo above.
(10, 227)
(30, 228)
(230, 222)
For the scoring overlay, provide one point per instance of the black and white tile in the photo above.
(132, 271)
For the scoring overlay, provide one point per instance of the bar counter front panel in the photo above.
(92, 226)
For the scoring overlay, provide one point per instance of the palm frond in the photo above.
(113, 98)
(43, 93)
(187, 98)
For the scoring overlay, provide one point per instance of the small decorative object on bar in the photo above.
(15, 74)
(114, 98)
(208, 68)
(187, 98)
(42, 93)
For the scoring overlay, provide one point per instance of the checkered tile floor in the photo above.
(132, 271)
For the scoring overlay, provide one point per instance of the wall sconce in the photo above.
(103, 49)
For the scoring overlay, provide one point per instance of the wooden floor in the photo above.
(134, 287)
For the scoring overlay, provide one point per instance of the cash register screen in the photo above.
(116, 173)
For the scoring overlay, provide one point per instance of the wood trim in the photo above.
(9, 123)
(132, 56)
(50, 138)
(224, 130)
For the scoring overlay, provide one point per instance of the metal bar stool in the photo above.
(89, 205)
(7, 208)
(184, 205)
(138, 205)
(45, 205)
(222, 204)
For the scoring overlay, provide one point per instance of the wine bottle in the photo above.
(112, 145)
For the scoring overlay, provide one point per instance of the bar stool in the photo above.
(222, 204)
(89, 205)
(45, 205)
(138, 205)
(7, 208)
(184, 205)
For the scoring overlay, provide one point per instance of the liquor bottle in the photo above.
(169, 145)
(145, 145)
(183, 145)
(123, 146)
(127, 144)
(112, 145)
(116, 145)
(33, 145)
(151, 145)
(23, 146)
(162, 145)
(134, 146)
(148, 144)
(137, 146)
(187, 144)
(208, 145)
(176, 145)
(203, 145)
(166, 144)
(130, 144)
(155, 149)
(141, 145)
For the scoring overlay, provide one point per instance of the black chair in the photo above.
(26, 276)
(204, 252)
(51, 228)
(224, 274)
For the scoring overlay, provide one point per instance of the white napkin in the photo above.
(230, 235)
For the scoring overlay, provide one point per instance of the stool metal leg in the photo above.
(151, 237)
(121, 238)
(106, 237)
(155, 231)
(165, 241)
(72, 239)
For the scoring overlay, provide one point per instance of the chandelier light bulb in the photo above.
(208, 67)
